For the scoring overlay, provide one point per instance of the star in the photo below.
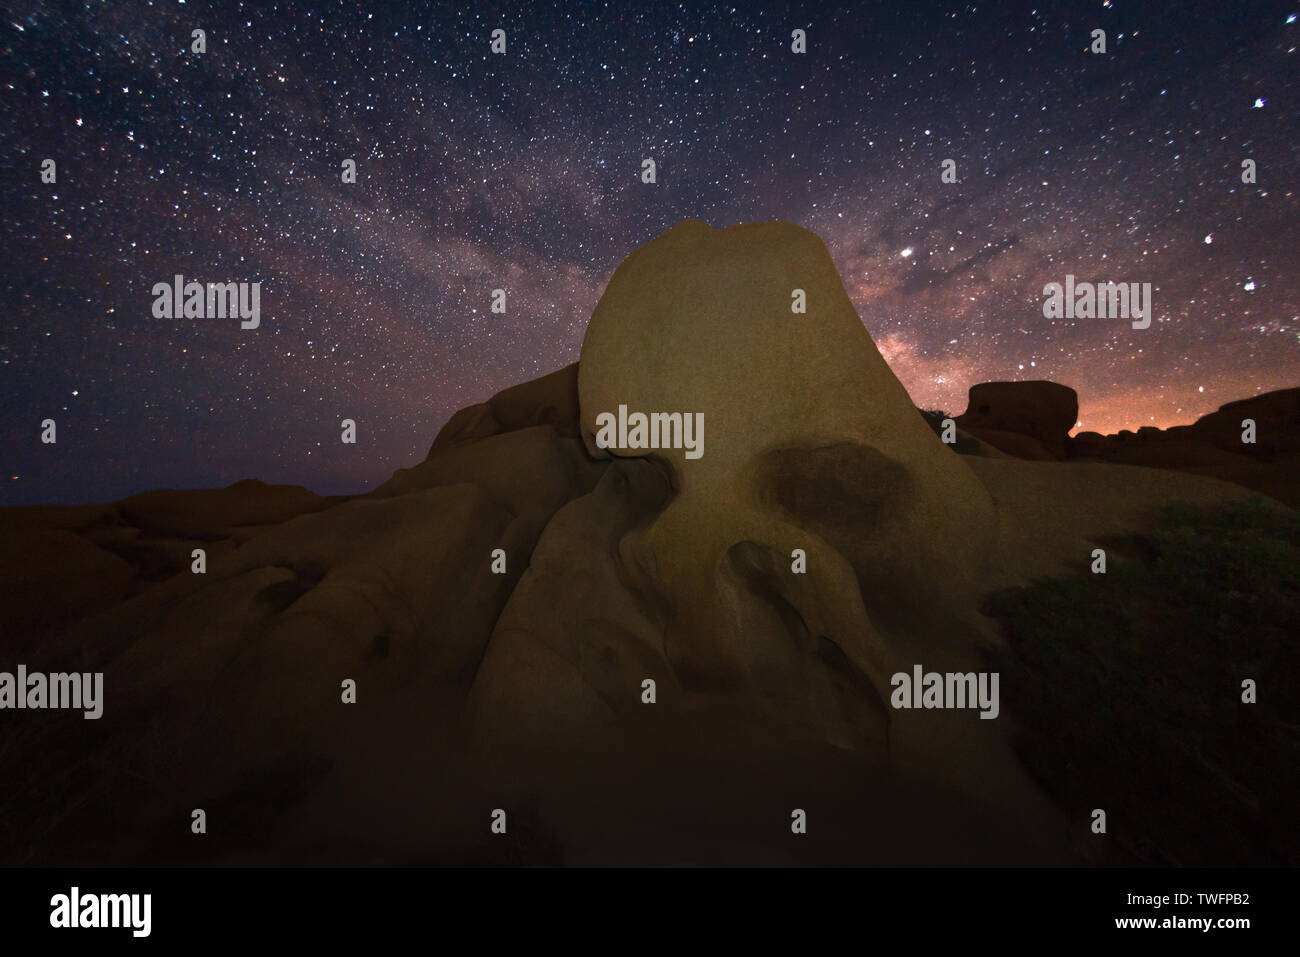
(521, 171)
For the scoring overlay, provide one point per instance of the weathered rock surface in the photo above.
(551, 400)
(1015, 444)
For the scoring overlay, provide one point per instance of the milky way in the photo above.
(522, 171)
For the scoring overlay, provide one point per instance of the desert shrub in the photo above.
(1126, 688)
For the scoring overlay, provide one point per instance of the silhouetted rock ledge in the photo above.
(1216, 445)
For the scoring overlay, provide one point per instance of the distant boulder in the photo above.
(1087, 443)
(1044, 411)
(211, 513)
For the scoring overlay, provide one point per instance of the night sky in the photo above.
(522, 171)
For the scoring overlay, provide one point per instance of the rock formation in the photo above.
(1214, 445)
(811, 444)
(1030, 420)
(769, 588)
(551, 400)
(1005, 413)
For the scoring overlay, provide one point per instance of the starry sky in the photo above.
(521, 171)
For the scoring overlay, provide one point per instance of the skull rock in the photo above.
(810, 443)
